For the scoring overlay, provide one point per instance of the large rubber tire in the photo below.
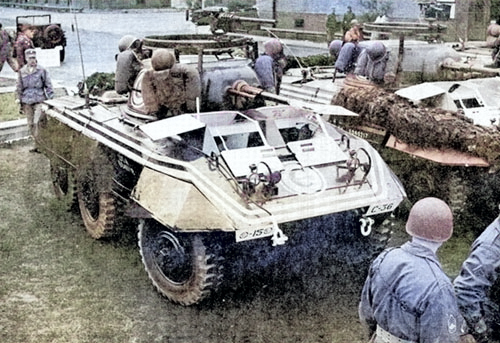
(180, 266)
(64, 185)
(96, 200)
(53, 34)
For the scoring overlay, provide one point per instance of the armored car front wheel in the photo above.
(181, 267)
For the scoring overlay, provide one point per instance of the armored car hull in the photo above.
(196, 183)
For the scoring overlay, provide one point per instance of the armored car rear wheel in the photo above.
(64, 184)
(181, 267)
(96, 200)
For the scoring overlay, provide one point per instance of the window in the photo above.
(299, 22)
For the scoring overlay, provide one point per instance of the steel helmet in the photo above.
(125, 42)
(376, 50)
(273, 48)
(162, 59)
(335, 47)
(430, 219)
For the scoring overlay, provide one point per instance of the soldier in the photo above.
(334, 48)
(355, 34)
(478, 286)
(349, 16)
(6, 50)
(32, 88)
(407, 297)
(493, 41)
(270, 66)
(128, 63)
(331, 26)
(350, 50)
(372, 62)
(24, 41)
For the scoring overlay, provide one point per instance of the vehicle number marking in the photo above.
(376, 209)
(249, 234)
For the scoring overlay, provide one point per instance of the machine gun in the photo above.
(223, 22)
(228, 22)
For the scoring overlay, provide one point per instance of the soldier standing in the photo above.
(32, 88)
(407, 297)
(24, 42)
(331, 26)
(478, 286)
(6, 50)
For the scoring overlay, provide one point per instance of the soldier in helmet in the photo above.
(350, 49)
(128, 63)
(372, 61)
(407, 297)
(478, 286)
(270, 65)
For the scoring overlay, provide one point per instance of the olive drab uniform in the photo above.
(23, 43)
(128, 66)
(478, 285)
(408, 296)
(372, 61)
(6, 51)
(270, 66)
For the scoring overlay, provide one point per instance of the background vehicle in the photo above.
(227, 185)
(444, 142)
(49, 36)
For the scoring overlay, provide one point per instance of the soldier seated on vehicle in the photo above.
(169, 88)
(493, 41)
(372, 62)
(128, 63)
(350, 49)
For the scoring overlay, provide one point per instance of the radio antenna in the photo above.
(85, 88)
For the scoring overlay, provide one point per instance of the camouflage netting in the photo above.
(98, 83)
(420, 126)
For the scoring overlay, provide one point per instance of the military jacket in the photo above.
(33, 86)
(408, 294)
(478, 281)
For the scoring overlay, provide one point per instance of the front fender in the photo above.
(177, 204)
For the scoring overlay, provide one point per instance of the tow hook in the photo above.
(278, 238)
(366, 225)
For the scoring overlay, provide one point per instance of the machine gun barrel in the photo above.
(230, 16)
(241, 88)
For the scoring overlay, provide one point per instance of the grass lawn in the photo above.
(9, 109)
